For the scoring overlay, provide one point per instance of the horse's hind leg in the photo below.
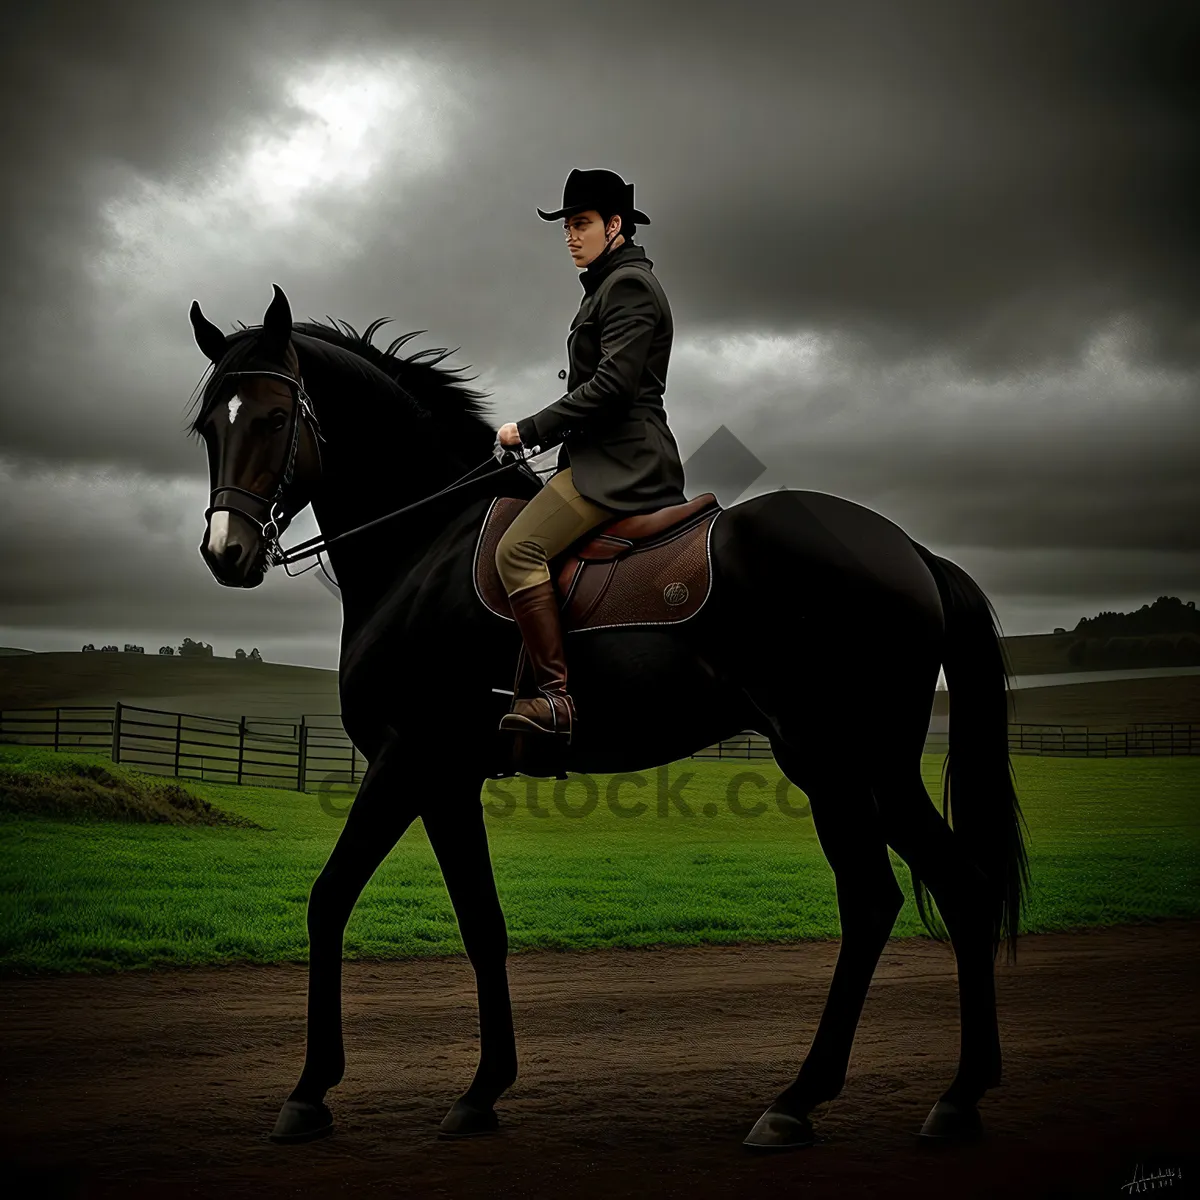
(921, 836)
(869, 900)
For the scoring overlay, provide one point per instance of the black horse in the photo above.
(823, 615)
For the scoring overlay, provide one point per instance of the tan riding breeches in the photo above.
(546, 526)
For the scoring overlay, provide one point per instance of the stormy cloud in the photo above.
(940, 258)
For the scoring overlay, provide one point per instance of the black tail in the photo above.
(979, 793)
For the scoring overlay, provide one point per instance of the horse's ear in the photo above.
(208, 337)
(277, 321)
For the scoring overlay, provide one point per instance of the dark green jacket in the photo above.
(611, 422)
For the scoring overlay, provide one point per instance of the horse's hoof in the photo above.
(780, 1131)
(301, 1122)
(950, 1122)
(466, 1120)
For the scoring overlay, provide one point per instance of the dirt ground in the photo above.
(641, 1073)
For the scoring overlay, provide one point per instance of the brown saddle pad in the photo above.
(647, 569)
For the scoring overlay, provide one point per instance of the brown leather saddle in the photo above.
(648, 569)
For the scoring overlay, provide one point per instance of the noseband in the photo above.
(277, 519)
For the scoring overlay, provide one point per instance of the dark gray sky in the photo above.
(943, 259)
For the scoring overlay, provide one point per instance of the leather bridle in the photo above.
(277, 518)
(277, 521)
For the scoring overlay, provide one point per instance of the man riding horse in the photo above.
(781, 649)
(618, 455)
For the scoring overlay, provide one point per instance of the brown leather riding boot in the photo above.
(535, 610)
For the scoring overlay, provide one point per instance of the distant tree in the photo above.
(1059, 629)
(191, 649)
(112, 648)
(130, 649)
(239, 654)
(88, 647)
(1168, 614)
(166, 649)
(255, 656)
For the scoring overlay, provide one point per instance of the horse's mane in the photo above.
(439, 391)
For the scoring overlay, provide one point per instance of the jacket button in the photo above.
(562, 374)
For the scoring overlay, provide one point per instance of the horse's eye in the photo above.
(278, 421)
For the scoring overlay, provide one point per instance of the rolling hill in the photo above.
(226, 687)
(209, 686)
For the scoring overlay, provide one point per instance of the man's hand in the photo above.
(508, 434)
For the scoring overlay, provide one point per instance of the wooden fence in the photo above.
(1048, 741)
(316, 752)
(262, 751)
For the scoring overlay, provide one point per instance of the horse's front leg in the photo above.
(458, 837)
(381, 812)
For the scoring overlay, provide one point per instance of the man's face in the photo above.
(585, 235)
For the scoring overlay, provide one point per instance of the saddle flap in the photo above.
(608, 581)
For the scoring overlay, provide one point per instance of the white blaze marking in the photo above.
(234, 405)
(218, 533)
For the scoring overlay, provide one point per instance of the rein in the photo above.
(310, 548)
(278, 520)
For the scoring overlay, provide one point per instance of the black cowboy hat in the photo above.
(597, 189)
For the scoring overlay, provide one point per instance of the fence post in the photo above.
(178, 739)
(241, 746)
(116, 742)
(302, 763)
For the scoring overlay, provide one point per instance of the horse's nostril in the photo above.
(231, 554)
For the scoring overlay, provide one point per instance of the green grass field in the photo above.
(1111, 840)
